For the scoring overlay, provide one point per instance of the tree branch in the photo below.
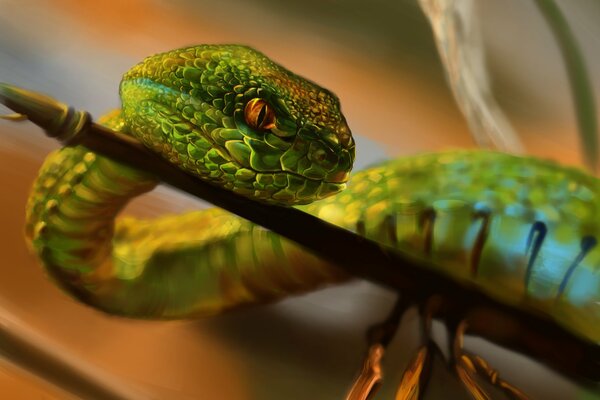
(535, 334)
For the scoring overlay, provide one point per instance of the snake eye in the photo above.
(259, 115)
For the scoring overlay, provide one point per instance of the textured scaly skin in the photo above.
(518, 194)
(188, 105)
(210, 261)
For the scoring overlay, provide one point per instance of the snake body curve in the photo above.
(522, 229)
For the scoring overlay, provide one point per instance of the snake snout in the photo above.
(321, 154)
(341, 144)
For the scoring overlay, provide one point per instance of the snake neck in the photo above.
(176, 266)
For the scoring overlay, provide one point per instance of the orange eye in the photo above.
(259, 115)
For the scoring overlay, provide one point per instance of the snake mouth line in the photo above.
(336, 182)
(316, 180)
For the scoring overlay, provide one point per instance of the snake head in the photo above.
(229, 114)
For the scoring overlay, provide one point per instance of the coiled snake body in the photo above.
(522, 229)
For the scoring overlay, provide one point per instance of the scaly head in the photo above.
(229, 114)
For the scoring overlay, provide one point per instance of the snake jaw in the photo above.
(204, 107)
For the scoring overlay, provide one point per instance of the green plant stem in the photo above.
(581, 88)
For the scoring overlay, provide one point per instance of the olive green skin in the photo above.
(210, 261)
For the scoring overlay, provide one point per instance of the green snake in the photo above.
(522, 229)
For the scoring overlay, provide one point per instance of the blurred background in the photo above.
(380, 59)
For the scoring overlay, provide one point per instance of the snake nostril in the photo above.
(322, 156)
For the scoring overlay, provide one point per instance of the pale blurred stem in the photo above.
(22, 347)
(581, 88)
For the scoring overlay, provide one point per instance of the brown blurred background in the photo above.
(379, 58)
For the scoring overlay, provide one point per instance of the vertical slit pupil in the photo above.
(262, 114)
(259, 114)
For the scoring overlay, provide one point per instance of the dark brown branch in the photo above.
(532, 333)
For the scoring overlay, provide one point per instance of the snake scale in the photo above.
(522, 229)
